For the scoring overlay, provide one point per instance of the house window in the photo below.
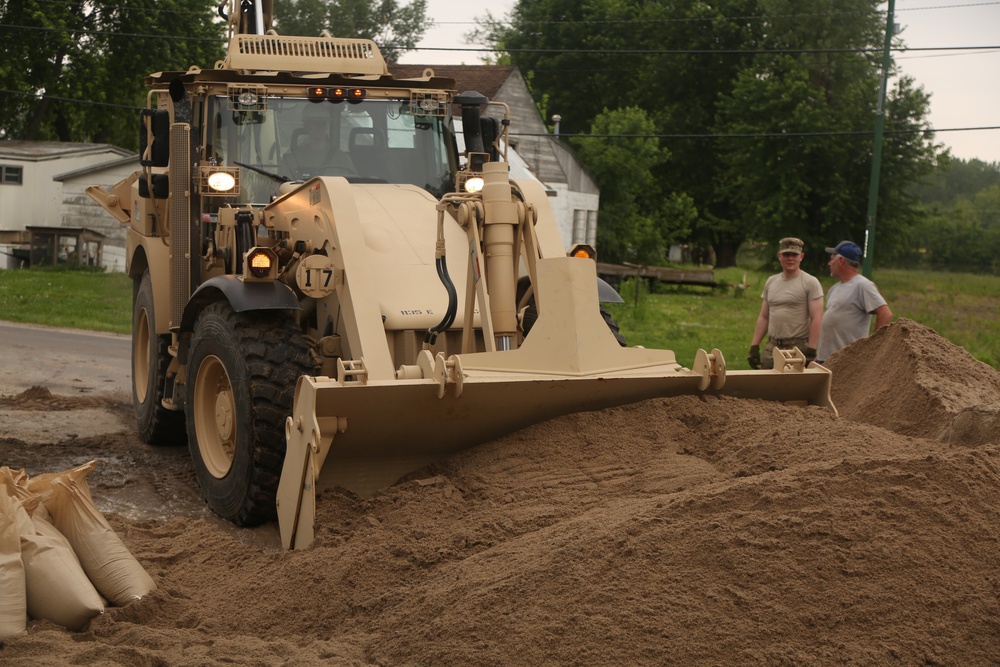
(592, 228)
(10, 175)
(579, 226)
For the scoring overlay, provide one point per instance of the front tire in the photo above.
(150, 359)
(242, 372)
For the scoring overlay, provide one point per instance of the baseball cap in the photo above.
(790, 244)
(847, 250)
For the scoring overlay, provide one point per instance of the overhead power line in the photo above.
(748, 135)
(607, 52)
(602, 52)
(108, 33)
(36, 96)
(755, 135)
(708, 19)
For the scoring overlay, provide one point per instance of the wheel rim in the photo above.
(215, 416)
(141, 355)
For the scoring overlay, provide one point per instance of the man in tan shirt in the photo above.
(791, 312)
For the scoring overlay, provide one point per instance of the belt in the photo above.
(787, 342)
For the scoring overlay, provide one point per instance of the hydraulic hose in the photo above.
(442, 270)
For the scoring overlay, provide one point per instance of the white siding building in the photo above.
(42, 185)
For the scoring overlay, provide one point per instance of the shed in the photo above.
(76, 246)
(41, 185)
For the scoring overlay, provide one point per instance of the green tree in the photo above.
(954, 177)
(395, 27)
(76, 70)
(636, 223)
(798, 87)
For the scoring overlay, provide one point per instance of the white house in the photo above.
(41, 186)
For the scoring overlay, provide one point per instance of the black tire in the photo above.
(242, 370)
(613, 326)
(150, 358)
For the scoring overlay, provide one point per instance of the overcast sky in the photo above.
(965, 85)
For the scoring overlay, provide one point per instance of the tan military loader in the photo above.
(327, 293)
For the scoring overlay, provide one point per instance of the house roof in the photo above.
(485, 79)
(130, 158)
(37, 151)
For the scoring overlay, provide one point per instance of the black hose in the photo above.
(244, 241)
(449, 317)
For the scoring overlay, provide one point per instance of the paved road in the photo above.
(66, 361)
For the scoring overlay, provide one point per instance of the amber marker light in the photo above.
(260, 263)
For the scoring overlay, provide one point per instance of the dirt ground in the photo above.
(681, 531)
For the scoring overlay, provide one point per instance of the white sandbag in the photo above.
(112, 568)
(13, 598)
(56, 586)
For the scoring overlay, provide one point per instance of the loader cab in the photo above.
(280, 139)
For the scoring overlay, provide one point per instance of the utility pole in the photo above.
(866, 268)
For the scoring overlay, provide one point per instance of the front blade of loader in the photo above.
(370, 435)
(364, 435)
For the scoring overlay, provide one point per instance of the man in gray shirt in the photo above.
(850, 303)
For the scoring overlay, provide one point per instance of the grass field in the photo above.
(963, 308)
(61, 297)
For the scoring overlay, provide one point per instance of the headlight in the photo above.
(221, 181)
(474, 184)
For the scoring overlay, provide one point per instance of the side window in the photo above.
(11, 175)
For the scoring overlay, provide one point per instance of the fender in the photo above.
(242, 296)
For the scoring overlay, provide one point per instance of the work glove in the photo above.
(754, 357)
(810, 355)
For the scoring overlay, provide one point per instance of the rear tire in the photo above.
(150, 358)
(242, 372)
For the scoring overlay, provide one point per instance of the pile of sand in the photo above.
(909, 380)
(690, 530)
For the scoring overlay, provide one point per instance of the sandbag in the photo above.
(42, 484)
(112, 568)
(17, 483)
(13, 598)
(57, 589)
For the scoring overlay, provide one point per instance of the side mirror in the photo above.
(471, 102)
(155, 122)
(490, 130)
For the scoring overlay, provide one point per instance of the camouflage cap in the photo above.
(790, 244)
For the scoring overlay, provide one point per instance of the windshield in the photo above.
(374, 141)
